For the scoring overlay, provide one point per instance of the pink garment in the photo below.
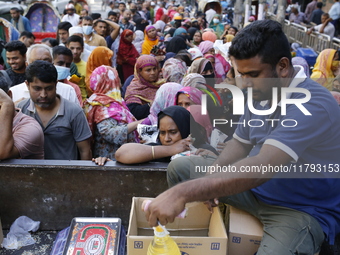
(205, 46)
(222, 67)
(194, 94)
(163, 99)
(203, 120)
(174, 70)
(336, 95)
(77, 90)
(28, 136)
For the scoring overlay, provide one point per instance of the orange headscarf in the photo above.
(322, 72)
(99, 56)
(148, 44)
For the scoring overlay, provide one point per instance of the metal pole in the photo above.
(281, 11)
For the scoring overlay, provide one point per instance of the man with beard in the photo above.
(64, 124)
(299, 210)
(16, 58)
(125, 23)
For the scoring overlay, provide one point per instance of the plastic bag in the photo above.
(18, 235)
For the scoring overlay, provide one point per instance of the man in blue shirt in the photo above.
(284, 164)
(20, 22)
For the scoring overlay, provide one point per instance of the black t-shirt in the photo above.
(16, 78)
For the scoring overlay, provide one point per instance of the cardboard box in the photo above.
(245, 233)
(200, 233)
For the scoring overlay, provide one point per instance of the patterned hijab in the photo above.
(194, 94)
(322, 72)
(141, 91)
(163, 99)
(174, 70)
(106, 101)
(198, 65)
(194, 80)
(99, 56)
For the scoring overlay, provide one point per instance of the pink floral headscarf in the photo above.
(174, 70)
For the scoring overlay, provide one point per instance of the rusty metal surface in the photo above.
(54, 192)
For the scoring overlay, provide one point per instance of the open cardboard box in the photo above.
(200, 233)
(245, 233)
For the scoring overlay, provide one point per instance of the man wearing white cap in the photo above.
(71, 16)
(77, 30)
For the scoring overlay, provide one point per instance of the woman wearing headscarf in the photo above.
(216, 25)
(126, 56)
(207, 47)
(174, 70)
(326, 65)
(191, 32)
(99, 56)
(138, 41)
(150, 39)
(159, 25)
(187, 96)
(142, 90)
(174, 128)
(180, 31)
(176, 44)
(209, 36)
(194, 80)
(163, 99)
(205, 68)
(111, 122)
(141, 24)
(301, 62)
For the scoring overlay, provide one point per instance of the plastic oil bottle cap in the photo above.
(160, 231)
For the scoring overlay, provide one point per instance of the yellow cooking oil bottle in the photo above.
(162, 243)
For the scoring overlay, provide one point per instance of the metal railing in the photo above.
(298, 34)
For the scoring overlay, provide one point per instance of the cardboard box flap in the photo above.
(216, 230)
(250, 225)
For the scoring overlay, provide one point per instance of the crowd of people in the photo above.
(133, 87)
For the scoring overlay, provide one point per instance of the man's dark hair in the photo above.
(15, 9)
(319, 5)
(111, 13)
(43, 70)
(75, 38)
(16, 45)
(27, 34)
(99, 21)
(4, 85)
(87, 18)
(65, 25)
(263, 38)
(95, 16)
(61, 50)
(51, 40)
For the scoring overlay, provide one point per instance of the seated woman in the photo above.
(207, 47)
(194, 80)
(150, 39)
(99, 56)
(174, 130)
(174, 70)
(142, 89)
(188, 96)
(205, 68)
(110, 120)
(326, 68)
(163, 99)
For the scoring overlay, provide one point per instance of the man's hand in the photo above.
(165, 208)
